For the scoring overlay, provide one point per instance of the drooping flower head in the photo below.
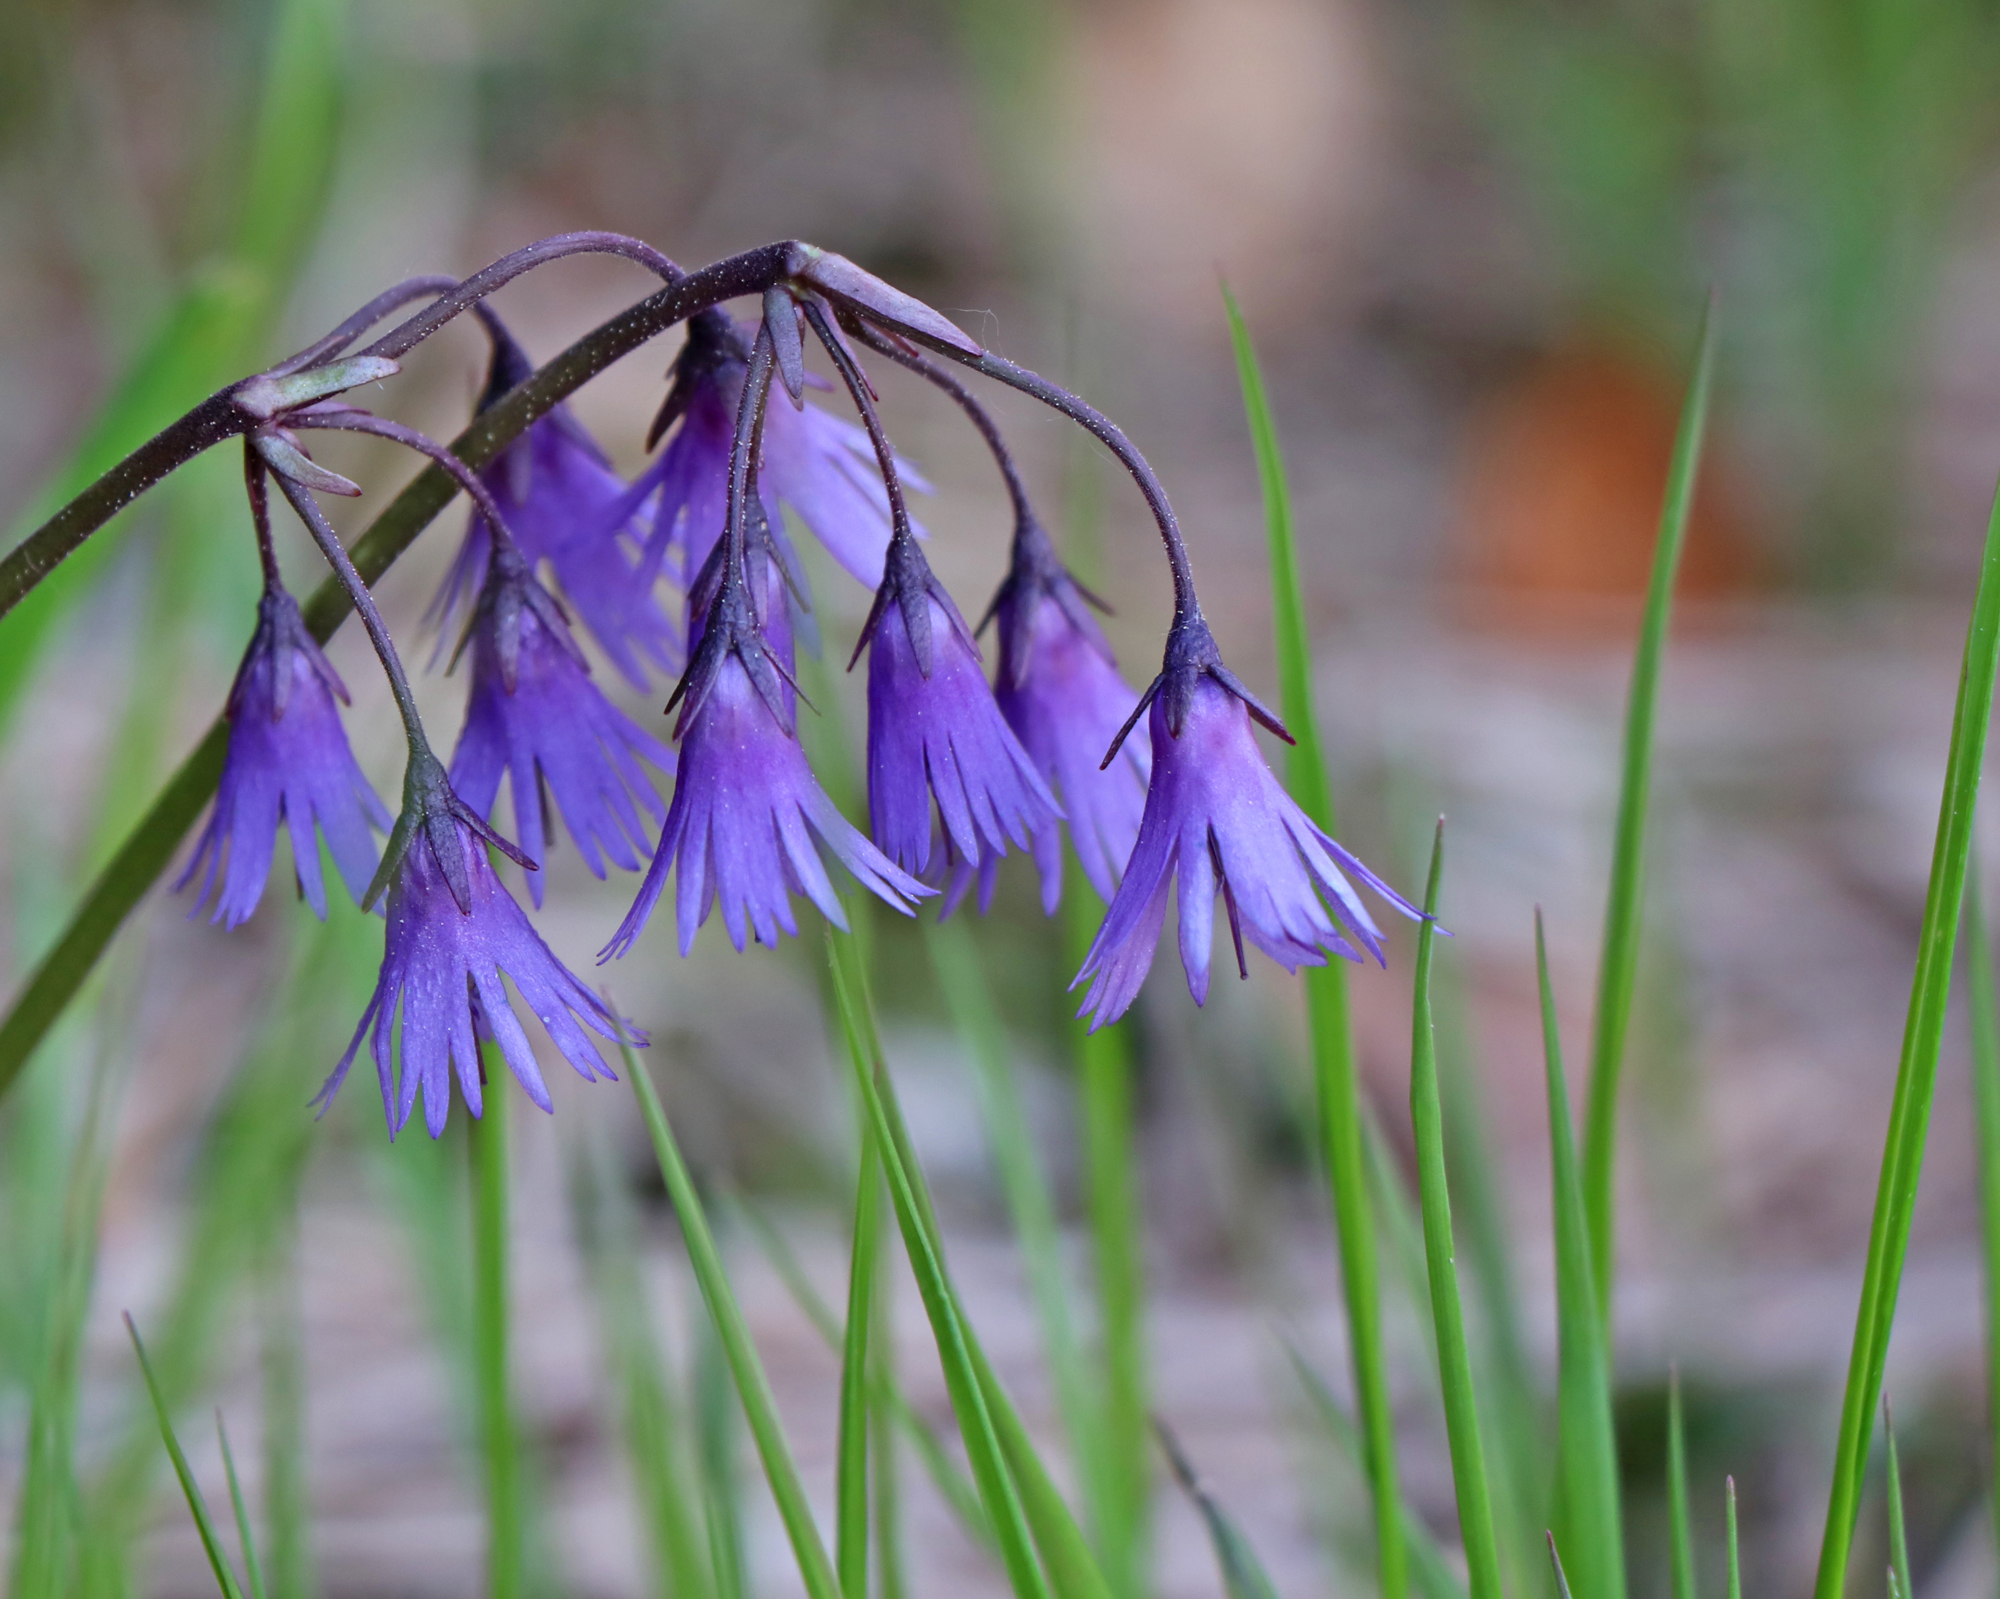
(562, 501)
(534, 714)
(1217, 816)
(1061, 691)
(453, 931)
(288, 764)
(935, 731)
(819, 465)
(749, 819)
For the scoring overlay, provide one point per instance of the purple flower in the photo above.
(934, 729)
(748, 818)
(453, 929)
(288, 762)
(820, 466)
(1216, 815)
(1061, 692)
(534, 713)
(564, 504)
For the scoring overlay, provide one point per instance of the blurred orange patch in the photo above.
(1565, 472)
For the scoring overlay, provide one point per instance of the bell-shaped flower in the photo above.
(1061, 691)
(289, 764)
(534, 714)
(821, 466)
(935, 731)
(1218, 818)
(564, 504)
(453, 931)
(749, 820)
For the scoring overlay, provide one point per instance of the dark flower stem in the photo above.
(1187, 608)
(465, 295)
(981, 418)
(390, 299)
(364, 602)
(864, 402)
(743, 458)
(260, 515)
(352, 421)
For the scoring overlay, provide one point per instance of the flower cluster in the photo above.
(1157, 789)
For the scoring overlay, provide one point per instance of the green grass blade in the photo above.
(1461, 1407)
(1030, 1204)
(246, 1540)
(1329, 1024)
(287, 1507)
(1679, 1528)
(1243, 1574)
(888, 1477)
(1916, 1072)
(211, 1542)
(1735, 1559)
(499, 1431)
(650, 1422)
(997, 1491)
(1430, 1570)
(1618, 963)
(1899, 1541)
(1562, 1578)
(851, 1479)
(752, 1386)
(1587, 1459)
(950, 1482)
(717, 1414)
(1986, 1107)
(1122, 1502)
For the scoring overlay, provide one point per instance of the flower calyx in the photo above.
(847, 287)
(1192, 654)
(431, 816)
(1036, 573)
(513, 591)
(268, 396)
(909, 584)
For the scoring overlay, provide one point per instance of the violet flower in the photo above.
(819, 465)
(934, 730)
(453, 930)
(564, 504)
(288, 763)
(749, 819)
(534, 714)
(1060, 689)
(1217, 816)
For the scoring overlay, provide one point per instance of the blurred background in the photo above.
(1473, 239)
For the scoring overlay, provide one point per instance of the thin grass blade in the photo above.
(1461, 1406)
(246, 1540)
(1735, 1555)
(753, 1387)
(1916, 1072)
(1430, 1569)
(851, 1476)
(499, 1430)
(211, 1541)
(1986, 1108)
(1680, 1533)
(1899, 1541)
(1328, 1022)
(1587, 1496)
(1243, 1574)
(1618, 964)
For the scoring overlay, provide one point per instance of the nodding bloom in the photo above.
(562, 504)
(288, 763)
(934, 730)
(534, 713)
(819, 465)
(453, 930)
(749, 819)
(1060, 689)
(1217, 816)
